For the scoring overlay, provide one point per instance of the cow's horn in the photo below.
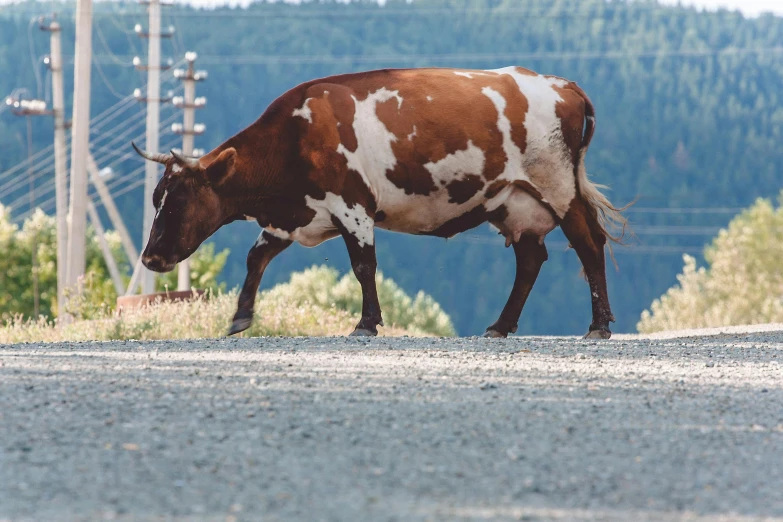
(157, 158)
(186, 162)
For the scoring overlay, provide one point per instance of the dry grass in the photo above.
(207, 317)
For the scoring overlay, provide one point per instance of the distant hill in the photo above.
(689, 119)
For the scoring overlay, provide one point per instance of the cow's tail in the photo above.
(608, 217)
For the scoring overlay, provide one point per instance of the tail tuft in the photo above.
(609, 218)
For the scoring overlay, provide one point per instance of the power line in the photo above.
(265, 59)
(19, 182)
(377, 11)
(107, 83)
(108, 49)
(685, 210)
(48, 204)
(96, 122)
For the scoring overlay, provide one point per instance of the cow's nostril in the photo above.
(152, 262)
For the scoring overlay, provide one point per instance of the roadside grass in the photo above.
(208, 316)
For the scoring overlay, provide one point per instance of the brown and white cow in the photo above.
(420, 151)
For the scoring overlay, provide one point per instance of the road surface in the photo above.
(394, 429)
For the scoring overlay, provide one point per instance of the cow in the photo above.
(431, 151)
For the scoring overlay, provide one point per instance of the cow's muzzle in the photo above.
(157, 263)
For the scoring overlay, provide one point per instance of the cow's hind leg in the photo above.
(361, 249)
(530, 253)
(580, 225)
(266, 248)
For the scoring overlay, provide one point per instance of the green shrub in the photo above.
(322, 286)
(741, 284)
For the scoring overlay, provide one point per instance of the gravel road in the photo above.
(394, 429)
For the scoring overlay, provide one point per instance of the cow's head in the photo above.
(189, 206)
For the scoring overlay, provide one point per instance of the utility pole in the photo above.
(153, 36)
(28, 108)
(188, 129)
(60, 177)
(111, 210)
(114, 272)
(80, 140)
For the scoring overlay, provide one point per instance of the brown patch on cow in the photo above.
(318, 146)
(571, 112)
(495, 188)
(495, 163)
(389, 112)
(413, 180)
(461, 190)
(468, 220)
(355, 191)
(516, 114)
(526, 72)
(457, 113)
(344, 109)
(286, 214)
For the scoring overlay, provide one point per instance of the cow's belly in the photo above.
(513, 211)
(422, 215)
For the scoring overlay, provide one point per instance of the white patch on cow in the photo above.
(162, 201)
(412, 134)
(176, 168)
(374, 154)
(458, 164)
(429, 98)
(278, 233)
(305, 111)
(354, 219)
(513, 168)
(541, 120)
(321, 227)
(261, 241)
(249, 218)
(465, 74)
(547, 163)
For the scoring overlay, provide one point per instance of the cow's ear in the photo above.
(220, 170)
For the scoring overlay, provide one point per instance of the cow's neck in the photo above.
(260, 170)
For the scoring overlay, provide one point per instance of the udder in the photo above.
(524, 215)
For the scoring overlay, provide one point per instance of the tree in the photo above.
(741, 284)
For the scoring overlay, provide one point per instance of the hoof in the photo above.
(598, 334)
(361, 332)
(494, 334)
(240, 325)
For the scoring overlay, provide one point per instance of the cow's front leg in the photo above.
(359, 236)
(266, 248)
(530, 253)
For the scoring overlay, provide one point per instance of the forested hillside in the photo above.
(688, 104)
